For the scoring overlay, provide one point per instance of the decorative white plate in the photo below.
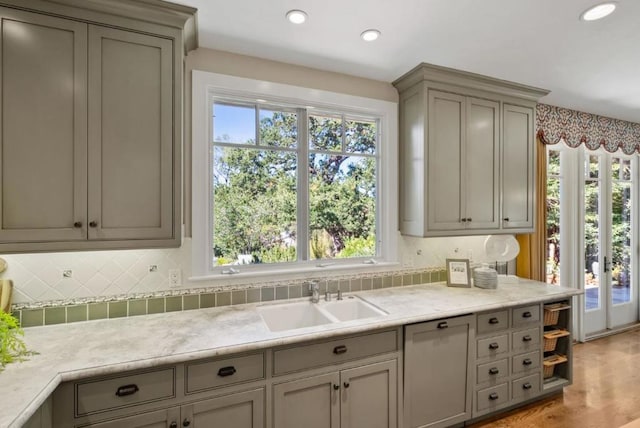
(501, 248)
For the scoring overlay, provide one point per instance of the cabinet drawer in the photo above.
(526, 340)
(314, 355)
(526, 387)
(493, 397)
(494, 321)
(492, 371)
(210, 374)
(525, 362)
(526, 315)
(493, 346)
(124, 391)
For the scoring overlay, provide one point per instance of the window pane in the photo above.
(625, 169)
(592, 244)
(278, 128)
(360, 136)
(593, 166)
(553, 230)
(234, 123)
(621, 206)
(553, 162)
(325, 133)
(254, 205)
(342, 206)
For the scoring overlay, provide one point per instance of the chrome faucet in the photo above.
(315, 291)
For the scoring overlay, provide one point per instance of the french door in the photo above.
(608, 229)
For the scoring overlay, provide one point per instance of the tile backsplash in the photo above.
(71, 286)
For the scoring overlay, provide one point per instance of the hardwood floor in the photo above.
(605, 391)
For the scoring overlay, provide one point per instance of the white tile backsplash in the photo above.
(38, 277)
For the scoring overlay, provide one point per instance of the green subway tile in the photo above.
(397, 280)
(356, 284)
(266, 294)
(190, 302)
(367, 283)
(333, 286)
(426, 277)
(323, 287)
(137, 307)
(76, 313)
(253, 295)
(238, 297)
(417, 278)
(55, 316)
(32, 317)
(306, 291)
(406, 279)
(117, 309)
(387, 281)
(282, 292)
(207, 300)
(155, 306)
(174, 304)
(442, 275)
(295, 291)
(223, 298)
(377, 283)
(344, 286)
(97, 311)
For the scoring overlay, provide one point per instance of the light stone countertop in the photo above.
(73, 351)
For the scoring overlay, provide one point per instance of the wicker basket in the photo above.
(550, 364)
(551, 338)
(552, 313)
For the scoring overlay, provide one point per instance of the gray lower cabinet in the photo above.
(357, 397)
(169, 418)
(438, 372)
(90, 134)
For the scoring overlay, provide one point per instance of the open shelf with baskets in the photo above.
(557, 344)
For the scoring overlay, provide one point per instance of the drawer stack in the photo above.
(508, 358)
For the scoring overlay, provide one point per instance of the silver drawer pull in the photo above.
(494, 345)
(527, 362)
(442, 325)
(125, 390)
(494, 371)
(493, 396)
(526, 314)
(494, 320)
(226, 371)
(526, 338)
(526, 386)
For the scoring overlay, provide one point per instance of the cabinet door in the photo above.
(43, 139)
(242, 410)
(310, 403)
(482, 160)
(130, 135)
(518, 164)
(369, 396)
(437, 388)
(169, 418)
(444, 166)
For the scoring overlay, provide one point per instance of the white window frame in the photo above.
(204, 84)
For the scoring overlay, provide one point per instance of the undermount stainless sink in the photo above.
(291, 316)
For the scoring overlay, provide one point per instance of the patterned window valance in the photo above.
(576, 127)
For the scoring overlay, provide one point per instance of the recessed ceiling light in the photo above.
(598, 11)
(296, 16)
(370, 35)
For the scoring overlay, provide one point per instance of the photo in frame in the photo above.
(458, 273)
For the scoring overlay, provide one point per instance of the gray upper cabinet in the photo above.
(466, 153)
(91, 130)
(130, 135)
(44, 127)
(518, 152)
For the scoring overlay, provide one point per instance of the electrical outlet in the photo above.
(175, 278)
(153, 268)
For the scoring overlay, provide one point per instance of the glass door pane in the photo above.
(592, 233)
(621, 206)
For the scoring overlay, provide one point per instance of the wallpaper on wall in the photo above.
(576, 127)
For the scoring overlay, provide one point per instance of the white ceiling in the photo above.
(588, 66)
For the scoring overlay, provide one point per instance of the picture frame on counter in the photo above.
(458, 273)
